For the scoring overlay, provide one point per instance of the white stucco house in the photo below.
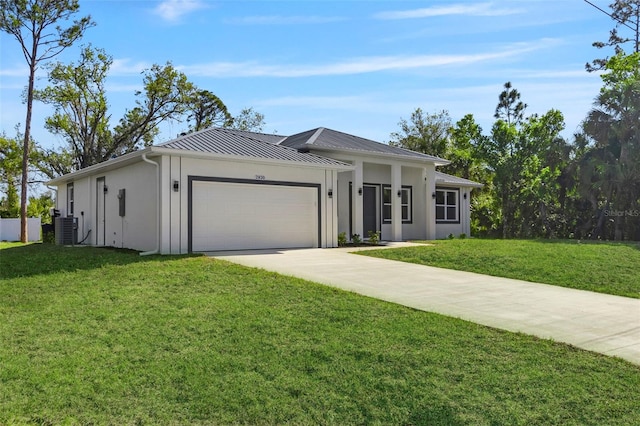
(223, 189)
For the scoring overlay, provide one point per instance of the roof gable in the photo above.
(327, 139)
(445, 179)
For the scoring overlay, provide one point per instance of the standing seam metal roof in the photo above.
(332, 139)
(244, 144)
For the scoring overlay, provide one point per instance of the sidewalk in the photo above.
(592, 321)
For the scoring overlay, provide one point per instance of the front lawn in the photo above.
(612, 268)
(98, 336)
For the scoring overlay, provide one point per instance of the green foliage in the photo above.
(248, 120)
(626, 15)
(427, 133)
(374, 238)
(81, 117)
(609, 167)
(355, 239)
(207, 110)
(97, 336)
(342, 239)
(41, 207)
(37, 25)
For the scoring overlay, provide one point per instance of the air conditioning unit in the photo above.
(66, 230)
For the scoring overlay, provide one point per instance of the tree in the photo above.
(77, 92)
(207, 110)
(32, 22)
(465, 140)
(81, 114)
(510, 108)
(426, 133)
(626, 14)
(248, 120)
(10, 166)
(611, 166)
(10, 171)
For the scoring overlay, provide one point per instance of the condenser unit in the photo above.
(66, 230)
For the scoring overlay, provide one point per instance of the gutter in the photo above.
(157, 166)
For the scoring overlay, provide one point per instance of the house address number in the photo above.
(260, 177)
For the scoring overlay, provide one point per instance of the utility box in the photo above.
(66, 230)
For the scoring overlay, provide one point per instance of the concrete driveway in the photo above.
(592, 321)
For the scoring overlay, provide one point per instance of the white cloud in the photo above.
(124, 66)
(173, 10)
(354, 66)
(286, 20)
(478, 9)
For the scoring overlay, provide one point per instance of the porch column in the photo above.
(357, 189)
(430, 187)
(396, 202)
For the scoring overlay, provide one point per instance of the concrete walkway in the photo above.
(592, 321)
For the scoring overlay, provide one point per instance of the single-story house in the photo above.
(224, 189)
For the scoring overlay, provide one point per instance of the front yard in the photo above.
(612, 268)
(105, 336)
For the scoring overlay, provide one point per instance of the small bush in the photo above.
(374, 237)
(355, 239)
(462, 236)
(342, 239)
(451, 236)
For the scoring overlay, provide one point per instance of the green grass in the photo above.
(612, 268)
(97, 336)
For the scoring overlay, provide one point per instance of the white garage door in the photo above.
(238, 216)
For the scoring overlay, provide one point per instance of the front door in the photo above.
(369, 210)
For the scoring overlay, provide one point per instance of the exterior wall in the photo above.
(443, 230)
(136, 229)
(374, 172)
(175, 213)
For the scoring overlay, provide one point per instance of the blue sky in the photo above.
(356, 66)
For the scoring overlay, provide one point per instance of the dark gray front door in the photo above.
(369, 210)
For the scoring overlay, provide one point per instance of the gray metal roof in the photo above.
(244, 144)
(443, 178)
(322, 138)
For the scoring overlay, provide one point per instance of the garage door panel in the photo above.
(237, 216)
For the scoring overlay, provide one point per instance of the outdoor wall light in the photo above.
(176, 186)
(399, 193)
(330, 193)
(464, 195)
(105, 189)
(433, 195)
(360, 191)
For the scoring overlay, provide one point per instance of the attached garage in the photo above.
(239, 214)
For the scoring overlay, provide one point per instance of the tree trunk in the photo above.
(25, 156)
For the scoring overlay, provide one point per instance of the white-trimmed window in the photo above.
(70, 199)
(406, 201)
(447, 205)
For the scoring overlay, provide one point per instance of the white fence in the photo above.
(10, 229)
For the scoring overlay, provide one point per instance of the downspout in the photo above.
(157, 166)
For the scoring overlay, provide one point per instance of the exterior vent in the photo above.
(66, 230)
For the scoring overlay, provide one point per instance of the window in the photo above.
(70, 199)
(405, 201)
(447, 205)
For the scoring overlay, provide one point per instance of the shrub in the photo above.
(374, 238)
(355, 239)
(342, 239)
